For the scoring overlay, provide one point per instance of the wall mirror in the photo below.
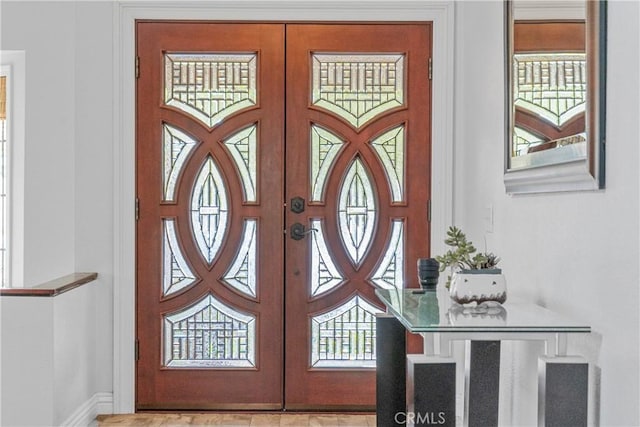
(555, 95)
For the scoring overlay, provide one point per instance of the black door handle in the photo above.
(298, 231)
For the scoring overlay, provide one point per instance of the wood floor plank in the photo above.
(207, 419)
(352, 421)
(323, 421)
(238, 420)
(372, 421)
(292, 420)
(265, 420)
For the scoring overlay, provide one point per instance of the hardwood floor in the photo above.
(239, 419)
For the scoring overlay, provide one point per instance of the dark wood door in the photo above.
(358, 153)
(210, 157)
(232, 311)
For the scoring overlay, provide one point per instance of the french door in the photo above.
(283, 173)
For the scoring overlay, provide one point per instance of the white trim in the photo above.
(441, 13)
(13, 65)
(569, 176)
(104, 403)
(85, 415)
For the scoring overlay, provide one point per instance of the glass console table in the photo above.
(430, 378)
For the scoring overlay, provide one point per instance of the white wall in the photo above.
(576, 253)
(74, 350)
(48, 356)
(94, 169)
(46, 32)
(26, 383)
(68, 189)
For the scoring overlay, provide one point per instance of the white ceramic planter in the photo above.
(478, 286)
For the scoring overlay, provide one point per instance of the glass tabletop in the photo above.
(434, 311)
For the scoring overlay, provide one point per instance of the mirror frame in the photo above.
(575, 175)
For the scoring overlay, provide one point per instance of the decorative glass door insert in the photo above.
(216, 274)
(208, 301)
(366, 194)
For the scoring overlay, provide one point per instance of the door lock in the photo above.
(298, 231)
(297, 205)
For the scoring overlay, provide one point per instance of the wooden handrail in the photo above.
(52, 288)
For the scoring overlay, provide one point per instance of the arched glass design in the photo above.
(243, 148)
(356, 211)
(209, 334)
(325, 147)
(324, 272)
(242, 273)
(176, 273)
(176, 147)
(390, 272)
(345, 337)
(210, 87)
(390, 150)
(209, 210)
(553, 86)
(357, 87)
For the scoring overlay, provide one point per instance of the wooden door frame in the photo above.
(126, 12)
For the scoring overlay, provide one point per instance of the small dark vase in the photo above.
(428, 272)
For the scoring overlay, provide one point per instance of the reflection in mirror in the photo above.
(555, 75)
(549, 91)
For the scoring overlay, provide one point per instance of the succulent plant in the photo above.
(464, 255)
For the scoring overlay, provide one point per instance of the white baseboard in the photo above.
(105, 403)
(85, 415)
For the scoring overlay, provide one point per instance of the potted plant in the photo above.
(475, 277)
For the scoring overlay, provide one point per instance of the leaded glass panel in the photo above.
(209, 334)
(390, 150)
(345, 337)
(324, 272)
(390, 271)
(242, 273)
(357, 211)
(176, 274)
(325, 147)
(210, 87)
(522, 140)
(357, 87)
(243, 148)
(176, 147)
(553, 86)
(209, 210)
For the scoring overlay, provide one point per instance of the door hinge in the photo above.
(137, 67)
(430, 68)
(137, 350)
(429, 210)
(137, 209)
